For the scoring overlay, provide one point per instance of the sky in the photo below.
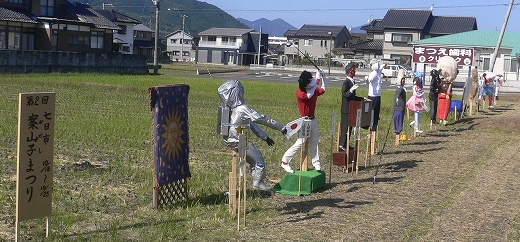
(490, 15)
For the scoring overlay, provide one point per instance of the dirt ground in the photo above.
(459, 182)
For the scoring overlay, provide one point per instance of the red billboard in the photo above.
(430, 54)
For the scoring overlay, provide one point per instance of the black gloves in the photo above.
(269, 141)
(284, 131)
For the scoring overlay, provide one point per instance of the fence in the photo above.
(15, 61)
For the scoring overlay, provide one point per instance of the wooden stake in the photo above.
(347, 148)
(233, 185)
(372, 142)
(367, 156)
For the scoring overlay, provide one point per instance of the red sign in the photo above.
(430, 54)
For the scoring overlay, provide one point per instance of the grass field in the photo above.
(103, 156)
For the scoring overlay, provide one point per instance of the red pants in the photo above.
(444, 108)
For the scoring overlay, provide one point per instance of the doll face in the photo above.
(352, 72)
(311, 84)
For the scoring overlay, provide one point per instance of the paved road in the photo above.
(334, 79)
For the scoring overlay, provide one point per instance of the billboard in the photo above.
(430, 54)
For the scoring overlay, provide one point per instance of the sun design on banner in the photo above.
(173, 132)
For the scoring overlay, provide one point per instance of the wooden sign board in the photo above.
(36, 115)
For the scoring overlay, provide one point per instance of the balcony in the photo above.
(219, 44)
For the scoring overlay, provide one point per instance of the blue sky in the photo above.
(490, 15)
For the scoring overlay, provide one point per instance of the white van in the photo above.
(393, 70)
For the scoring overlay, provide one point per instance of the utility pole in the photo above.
(182, 39)
(156, 46)
(330, 49)
(500, 37)
(259, 44)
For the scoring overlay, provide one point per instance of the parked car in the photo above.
(393, 70)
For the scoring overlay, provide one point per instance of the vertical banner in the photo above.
(36, 113)
(169, 106)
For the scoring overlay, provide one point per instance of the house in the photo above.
(401, 26)
(184, 42)
(472, 48)
(144, 41)
(318, 41)
(54, 26)
(275, 54)
(123, 40)
(372, 47)
(232, 46)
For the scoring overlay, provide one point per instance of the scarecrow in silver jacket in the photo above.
(232, 96)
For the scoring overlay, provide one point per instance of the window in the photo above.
(233, 39)
(47, 7)
(126, 48)
(185, 53)
(225, 39)
(308, 42)
(14, 1)
(402, 59)
(16, 38)
(212, 38)
(401, 38)
(510, 65)
(96, 40)
(484, 63)
(175, 53)
(78, 40)
(122, 30)
(173, 41)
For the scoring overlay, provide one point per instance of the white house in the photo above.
(184, 42)
(123, 40)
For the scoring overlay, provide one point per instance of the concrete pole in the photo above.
(259, 44)
(500, 37)
(330, 49)
(182, 40)
(156, 46)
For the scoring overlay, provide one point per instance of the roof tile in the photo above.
(17, 15)
(406, 18)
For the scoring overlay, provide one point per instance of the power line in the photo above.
(329, 9)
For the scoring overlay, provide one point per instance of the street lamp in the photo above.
(156, 46)
(330, 49)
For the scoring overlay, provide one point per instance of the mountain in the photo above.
(276, 27)
(200, 15)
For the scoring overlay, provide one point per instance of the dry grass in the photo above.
(456, 183)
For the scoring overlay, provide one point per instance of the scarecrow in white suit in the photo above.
(232, 96)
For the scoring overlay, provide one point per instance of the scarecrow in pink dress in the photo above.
(417, 103)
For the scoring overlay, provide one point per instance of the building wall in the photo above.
(128, 37)
(173, 48)
(391, 49)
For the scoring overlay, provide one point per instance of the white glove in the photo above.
(353, 88)
(322, 74)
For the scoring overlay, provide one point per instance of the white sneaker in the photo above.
(317, 167)
(412, 123)
(286, 167)
(418, 131)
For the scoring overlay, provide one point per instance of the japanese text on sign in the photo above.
(430, 54)
(35, 155)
